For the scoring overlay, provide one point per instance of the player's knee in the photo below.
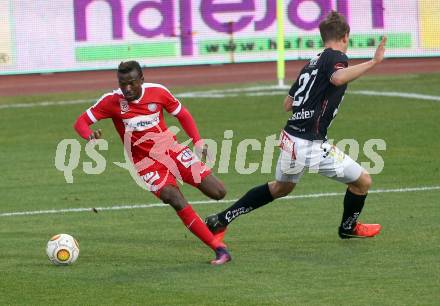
(367, 181)
(213, 188)
(166, 196)
(283, 192)
(170, 195)
(219, 193)
(280, 189)
(363, 184)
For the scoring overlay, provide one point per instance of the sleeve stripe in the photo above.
(90, 114)
(177, 110)
(103, 97)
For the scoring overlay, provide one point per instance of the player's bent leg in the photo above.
(212, 187)
(215, 189)
(171, 195)
(362, 184)
(200, 176)
(354, 200)
(253, 199)
(340, 167)
(280, 189)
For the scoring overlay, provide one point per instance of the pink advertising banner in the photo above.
(69, 35)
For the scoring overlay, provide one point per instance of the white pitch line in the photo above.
(396, 94)
(234, 92)
(46, 103)
(204, 202)
(199, 95)
(215, 93)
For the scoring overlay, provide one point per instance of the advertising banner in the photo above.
(6, 55)
(69, 35)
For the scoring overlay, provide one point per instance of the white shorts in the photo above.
(298, 155)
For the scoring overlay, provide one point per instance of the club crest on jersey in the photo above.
(187, 158)
(152, 107)
(124, 106)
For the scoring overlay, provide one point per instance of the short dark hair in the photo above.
(128, 66)
(333, 27)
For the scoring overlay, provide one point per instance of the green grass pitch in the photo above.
(287, 253)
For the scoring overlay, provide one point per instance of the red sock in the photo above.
(193, 222)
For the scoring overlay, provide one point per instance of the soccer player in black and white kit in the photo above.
(314, 100)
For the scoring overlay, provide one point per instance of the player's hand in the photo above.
(204, 155)
(202, 152)
(96, 134)
(380, 51)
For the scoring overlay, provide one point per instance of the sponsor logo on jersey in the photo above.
(152, 107)
(141, 123)
(124, 106)
(303, 114)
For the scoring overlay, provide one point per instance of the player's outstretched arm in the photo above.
(188, 124)
(82, 127)
(343, 76)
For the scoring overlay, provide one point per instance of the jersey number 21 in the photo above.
(301, 95)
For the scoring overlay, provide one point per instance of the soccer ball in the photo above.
(62, 249)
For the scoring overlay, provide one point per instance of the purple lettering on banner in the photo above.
(269, 18)
(166, 27)
(186, 32)
(208, 9)
(324, 5)
(377, 12)
(342, 8)
(79, 8)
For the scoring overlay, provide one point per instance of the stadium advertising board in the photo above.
(5, 36)
(44, 36)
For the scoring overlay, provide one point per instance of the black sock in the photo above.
(353, 205)
(253, 199)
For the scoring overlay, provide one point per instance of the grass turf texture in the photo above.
(286, 253)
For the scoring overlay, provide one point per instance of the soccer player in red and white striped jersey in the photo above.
(136, 109)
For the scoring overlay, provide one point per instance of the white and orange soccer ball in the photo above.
(62, 249)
